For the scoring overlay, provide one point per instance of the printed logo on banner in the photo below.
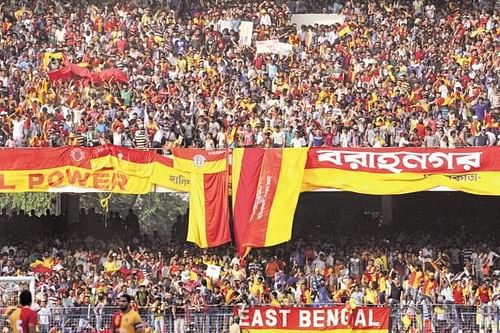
(77, 155)
(198, 161)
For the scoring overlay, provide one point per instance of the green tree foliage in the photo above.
(156, 211)
(39, 202)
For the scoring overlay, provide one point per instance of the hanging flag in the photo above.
(266, 188)
(246, 165)
(208, 205)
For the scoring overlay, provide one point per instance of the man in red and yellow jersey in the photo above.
(127, 320)
(415, 279)
(483, 293)
(23, 319)
(430, 285)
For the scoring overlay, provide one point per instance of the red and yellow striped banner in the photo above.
(266, 188)
(208, 195)
(266, 183)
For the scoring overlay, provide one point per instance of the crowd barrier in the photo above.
(422, 318)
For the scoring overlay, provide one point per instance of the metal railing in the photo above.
(421, 318)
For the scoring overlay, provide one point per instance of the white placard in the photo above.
(284, 49)
(267, 46)
(213, 271)
(246, 31)
(311, 19)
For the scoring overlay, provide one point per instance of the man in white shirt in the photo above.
(17, 130)
(443, 90)
(43, 315)
(265, 19)
(235, 326)
(278, 138)
(298, 141)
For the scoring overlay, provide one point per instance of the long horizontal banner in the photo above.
(395, 171)
(105, 168)
(266, 183)
(338, 319)
(368, 171)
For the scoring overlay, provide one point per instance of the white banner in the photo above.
(311, 19)
(273, 47)
(284, 49)
(246, 31)
(267, 46)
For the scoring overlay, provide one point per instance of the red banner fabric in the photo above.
(407, 160)
(43, 158)
(314, 319)
(70, 72)
(216, 209)
(249, 170)
(266, 189)
(109, 75)
(75, 72)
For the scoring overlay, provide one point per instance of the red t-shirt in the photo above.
(21, 319)
(458, 295)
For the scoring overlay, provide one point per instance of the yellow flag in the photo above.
(477, 32)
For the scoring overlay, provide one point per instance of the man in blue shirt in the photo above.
(480, 109)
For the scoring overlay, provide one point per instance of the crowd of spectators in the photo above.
(395, 73)
(81, 273)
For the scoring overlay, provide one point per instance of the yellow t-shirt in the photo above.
(371, 296)
(127, 322)
(110, 266)
(257, 289)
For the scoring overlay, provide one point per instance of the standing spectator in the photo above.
(158, 310)
(44, 317)
(179, 311)
(235, 326)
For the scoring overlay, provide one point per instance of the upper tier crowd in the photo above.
(419, 73)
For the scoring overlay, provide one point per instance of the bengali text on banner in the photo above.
(335, 319)
(395, 171)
